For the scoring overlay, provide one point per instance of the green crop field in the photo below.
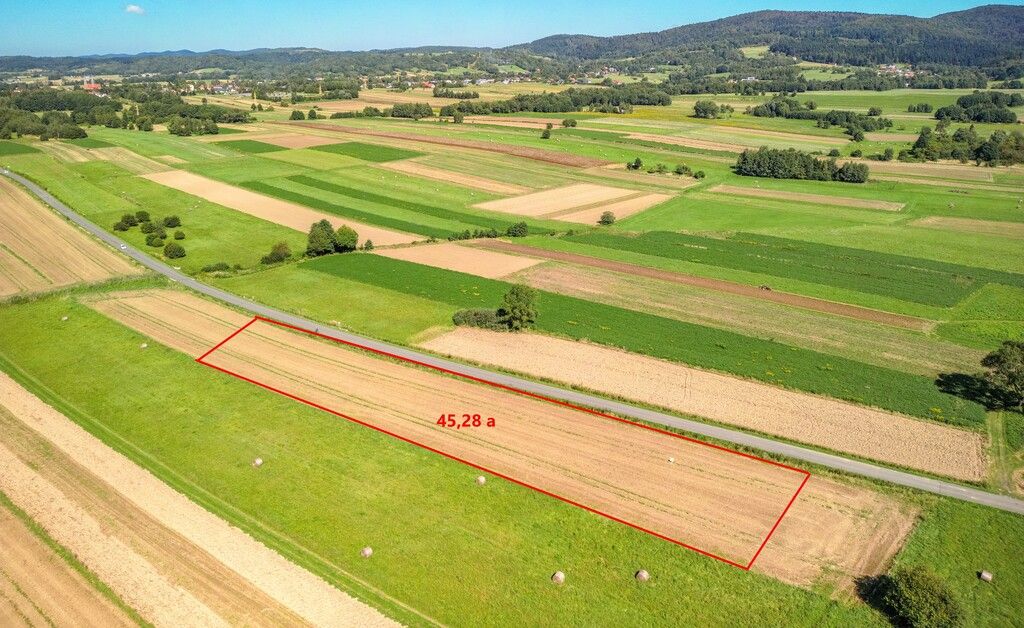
(368, 152)
(15, 148)
(251, 146)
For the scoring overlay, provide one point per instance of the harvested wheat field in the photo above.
(521, 123)
(548, 202)
(129, 160)
(811, 303)
(805, 418)
(170, 159)
(955, 171)
(38, 587)
(689, 142)
(820, 199)
(783, 135)
(414, 168)
(270, 209)
(971, 225)
(166, 557)
(621, 209)
(538, 154)
(718, 501)
(464, 259)
(618, 172)
(39, 250)
(69, 153)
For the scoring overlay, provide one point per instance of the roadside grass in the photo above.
(368, 152)
(423, 514)
(16, 148)
(897, 276)
(674, 340)
(986, 318)
(68, 557)
(251, 146)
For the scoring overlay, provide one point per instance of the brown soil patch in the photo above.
(165, 556)
(417, 169)
(271, 209)
(970, 225)
(820, 199)
(929, 169)
(721, 502)
(37, 587)
(39, 250)
(564, 159)
(820, 305)
(621, 209)
(689, 142)
(463, 259)
(864, 341)
(549, 202)
(805, 418)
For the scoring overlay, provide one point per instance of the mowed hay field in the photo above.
(580, 202)
(820, 421)
(718, 501)
(273, 210)
(40, 250)
(464, 259)
(823, 199)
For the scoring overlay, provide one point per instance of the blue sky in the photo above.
(63, 27)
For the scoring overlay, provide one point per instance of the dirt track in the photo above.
(563, 159)
(172, 561)
(41, 251)
(820, 305)
(715, 500)
(821, 199)
(274, 210)
(801, 417)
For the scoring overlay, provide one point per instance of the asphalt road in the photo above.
(795, 452)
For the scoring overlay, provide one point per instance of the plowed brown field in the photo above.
(805, 418)
(715, 500)
(39, 250)
(550, 202)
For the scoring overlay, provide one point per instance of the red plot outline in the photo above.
(201, 359)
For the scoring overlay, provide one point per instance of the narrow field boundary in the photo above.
(820, 199)
(796, 300)
(971, 225)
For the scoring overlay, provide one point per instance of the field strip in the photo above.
(550, 156)
(891, 137)
(548, 202)
(451, 256)
(130, 160)
(620, 209)
(796, 300)
(43, 588)
(946, 183)
(417, 169)
(619, 173)
(802, 417)
(956, 172)
(820, 199)
(689, 142)
(274, 210)
(971, 225)
(40, 250)
(70, 153)
(709, 499)
(166, 556)
(290, 140)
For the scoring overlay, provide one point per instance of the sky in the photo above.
(77, 27)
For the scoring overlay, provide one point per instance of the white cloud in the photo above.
(134, 8)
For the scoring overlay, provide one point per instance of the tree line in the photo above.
(793, 164)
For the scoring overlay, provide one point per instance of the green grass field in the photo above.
(15, 148)
(251, 146)
(368, 152)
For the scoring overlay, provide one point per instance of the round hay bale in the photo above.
(985, 576)
(63, 318)
(366, 552)
(258, 462)
(143, 345)
(558, 577)
(642, 575)
(481, 480)
(671, 460)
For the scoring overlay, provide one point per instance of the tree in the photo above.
(545, 134)
(706, 109)
(321, 240)
(458, 117)
(1006, 370)
(297, 115)
(345, 239)
(517, 230)
(278, 253)
(916, 597)
(172, 221)
(130, 220)
(682, 169)
(312, 114)
(888, 154)
(173, 250)
(142, 216)
(368, 245)
(518, 308)
(154, 240)
(549, 126)
(875, 111)
(569, 122)
(636, 164)
(607, 218)
(698, 175)
(179, 235)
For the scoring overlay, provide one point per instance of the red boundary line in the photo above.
(806, 474)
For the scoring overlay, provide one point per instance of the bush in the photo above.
(545, 134)
(154, 240)
(130, 220)
(218, 267)
(345, 239)
(834, 152)
(875, 111)
(478, 317)
(368, 245)
(279, 253)
(120, 226)
(517, 230)
(569, 123)
(518, 308)
(682, 169)
(173, 250)
(179, 235)
(142, 216)
(321, 239)
(147, 227)
(297, 115)
(636, 164)
(172, 221)
(916, 597)
(857, 153)
(312, 114)
(607, 218)
(699, 174)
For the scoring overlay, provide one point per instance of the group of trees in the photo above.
(192, 126)
(982, 107)
(709, 109)
(793, 164)
(155, 230)
(964, 144)
(659, 168)
(921, 107)
(447, 92)
(856, 124)
(324, 240)
(518, 311)
(607, 100)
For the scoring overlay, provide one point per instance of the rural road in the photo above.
(902, 478)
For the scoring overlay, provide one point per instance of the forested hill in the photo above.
(976, 37)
